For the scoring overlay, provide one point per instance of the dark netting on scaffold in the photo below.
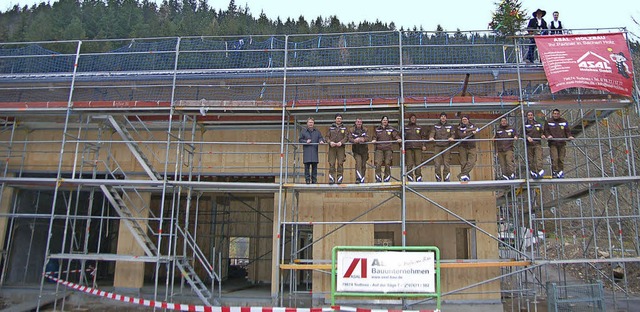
(34, 59)
(442, 48)
(359, 49)
(135, 56)
(261, 52)
(231, 53)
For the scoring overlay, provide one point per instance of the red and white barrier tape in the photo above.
(191, 307)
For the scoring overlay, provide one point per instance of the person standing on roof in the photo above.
(534, 132)
(557, 132)
(537, 26)
(505, 138)
(337, 136)
(359, 137)
(414, 144)
(467, 149)
(383, 138)
(555, 25)
(310, 137)
(443, 134)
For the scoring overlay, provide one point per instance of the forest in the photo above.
(119, 19)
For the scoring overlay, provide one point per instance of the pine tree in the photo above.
(508, 18)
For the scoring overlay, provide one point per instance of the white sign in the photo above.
(386, 271)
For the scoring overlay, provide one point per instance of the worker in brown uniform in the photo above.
(557, 132)
(467, 149)
(414, 136)
(535, 133)
(337, 136)
(359, 137)
(383, 139)
(505, 138)
(443, 134)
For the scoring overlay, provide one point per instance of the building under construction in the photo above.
(175, 162)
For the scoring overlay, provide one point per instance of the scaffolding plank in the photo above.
(109, 257)
(443, 265)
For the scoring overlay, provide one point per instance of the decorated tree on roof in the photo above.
(508, 18)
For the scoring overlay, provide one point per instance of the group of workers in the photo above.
(555, 130)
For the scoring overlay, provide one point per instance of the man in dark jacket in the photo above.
(359, 137)
(535, 133)
(337, 136)
(443, 133)
(383, 138)
(414, 144)
(537, 26)
(310, 137)
(557, 132)
(505, 138)
(467, 150)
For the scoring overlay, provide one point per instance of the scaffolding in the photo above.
(157, 153)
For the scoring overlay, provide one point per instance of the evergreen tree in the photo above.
(264, 25)
(302, 25)
(279, 26)
(40, 24)
(334, 24)
(74, 30)
(232, 9)
(508, 18)
(316, 26)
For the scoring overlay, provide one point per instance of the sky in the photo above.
(451, 15)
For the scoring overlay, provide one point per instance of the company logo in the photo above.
(591, 61)
(354, 264)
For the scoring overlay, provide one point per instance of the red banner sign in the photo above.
(598, 61)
